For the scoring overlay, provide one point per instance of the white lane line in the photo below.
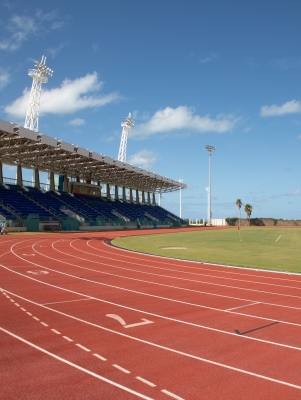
(82, 347)
(43, 323)
(167, 269)
(68, 338)
(37, 319)
(222, 268)
(142, 396)
(121, 369)
(23, 309)
(245, 305)
(278, 238)
(164, 276)
(67, 301)
(264, 377)
(12, 300)
(100, 357)
(172, 395)
(16, 304)
(276, 305)
(168, 299)
(55, 331)
(28, 313)
(145, 381)
(243, 337)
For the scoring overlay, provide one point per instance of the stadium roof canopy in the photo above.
(34, 150)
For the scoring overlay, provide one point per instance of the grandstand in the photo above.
(81, 196)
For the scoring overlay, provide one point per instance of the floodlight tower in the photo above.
(39, 75)
(210, 150)
(181, 181)
(126, 126)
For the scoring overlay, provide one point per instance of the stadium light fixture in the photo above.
(181, 181)
(210, 150)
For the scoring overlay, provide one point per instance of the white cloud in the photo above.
(77, 122)
(182, 118)
(286, 63)
(20, 28)
(297, 192)
(53, 51)
(290, 107)
(208, 58)
(144, 159)
(70, 97)
(4, 78)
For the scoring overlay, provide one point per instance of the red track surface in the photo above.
(81, 319)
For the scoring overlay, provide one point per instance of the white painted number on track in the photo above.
(38, 272)
(123, 323)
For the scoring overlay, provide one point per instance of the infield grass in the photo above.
(265, 248)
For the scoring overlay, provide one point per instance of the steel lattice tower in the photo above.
(126, 126)
(39, 75)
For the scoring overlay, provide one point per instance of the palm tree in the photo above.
(248, 209)
(239, 204)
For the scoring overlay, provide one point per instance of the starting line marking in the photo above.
(278, 238)
(82, 347)
(38, 272)
(100, 357)
(145, 381)
(121, 369)
(102, 378)
(67, 338)
(245, 305)
(171, 394)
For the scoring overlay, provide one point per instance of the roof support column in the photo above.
(100, 187)
(108, 192)
(148, 198)
(123, 194)
(137, 196)
(154, 199)
(51, 181)
(1, 174)
(36, 179)
(19, 175)
(131, 195)
(65, 187)
(143, 197)
(116, 192)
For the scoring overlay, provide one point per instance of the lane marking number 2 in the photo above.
(123, 323)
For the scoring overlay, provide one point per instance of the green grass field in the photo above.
(265, 248)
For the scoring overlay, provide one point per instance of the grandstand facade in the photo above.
(91, 190)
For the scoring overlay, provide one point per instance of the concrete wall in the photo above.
(269, 222)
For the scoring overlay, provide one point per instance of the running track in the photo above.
(80, 319)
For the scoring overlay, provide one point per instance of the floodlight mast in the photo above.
(39, 75)
(181, 181)
(210, 150)
(126, 126)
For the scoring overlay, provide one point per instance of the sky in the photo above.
(191, 72)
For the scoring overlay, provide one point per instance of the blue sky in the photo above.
(192, 73)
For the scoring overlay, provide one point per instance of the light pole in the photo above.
(181, 181)
(210, 150)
